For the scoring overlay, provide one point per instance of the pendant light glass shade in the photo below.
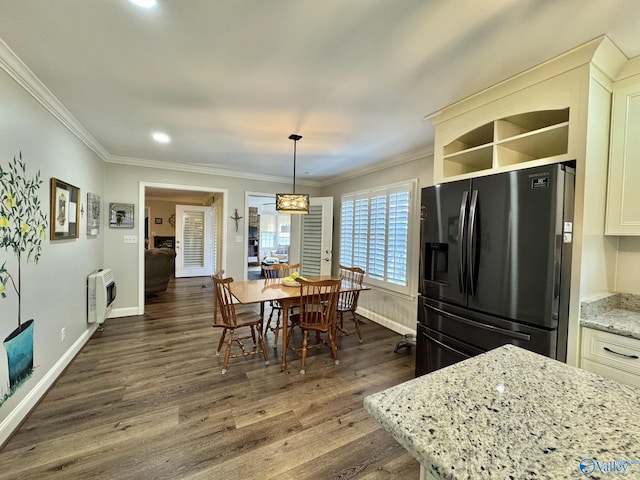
(293, 203)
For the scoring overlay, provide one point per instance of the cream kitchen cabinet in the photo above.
(610, 355)
(623, 193)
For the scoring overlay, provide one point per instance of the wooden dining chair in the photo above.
(348, 301)
(230, 319)
(279, 270)
(317, 314)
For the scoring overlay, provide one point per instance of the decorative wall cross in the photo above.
(236, 217)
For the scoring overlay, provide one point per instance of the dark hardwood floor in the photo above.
(145, 399)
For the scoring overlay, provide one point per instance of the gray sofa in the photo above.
(158, 268)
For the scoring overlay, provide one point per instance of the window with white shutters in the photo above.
(374, 232)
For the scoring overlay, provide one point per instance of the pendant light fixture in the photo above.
(293, 203)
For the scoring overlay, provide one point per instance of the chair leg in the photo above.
(334, 349)
(339, 329)
(304, 350)
(221, 342)
(268, 325)
(276, 331)
(253, 337)
(227, 353)
(263, 347)
(357, 323)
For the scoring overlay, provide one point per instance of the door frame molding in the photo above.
(142, 189)
(245, 228)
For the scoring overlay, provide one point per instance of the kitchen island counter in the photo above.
(511, 413)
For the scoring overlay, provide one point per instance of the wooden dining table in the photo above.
(272, 289)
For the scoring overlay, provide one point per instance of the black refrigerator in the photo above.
(495, 262)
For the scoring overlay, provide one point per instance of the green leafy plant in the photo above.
(23, 224)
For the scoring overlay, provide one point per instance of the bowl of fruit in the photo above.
(290, 281)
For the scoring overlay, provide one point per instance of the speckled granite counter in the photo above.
(617, 313)
(511, 413)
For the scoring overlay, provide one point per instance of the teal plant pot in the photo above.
(19, 347)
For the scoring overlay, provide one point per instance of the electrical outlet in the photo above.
(63, 334)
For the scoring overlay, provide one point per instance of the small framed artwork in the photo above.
(121, 215)
(158, 221)
(65, 214)
(93, 214)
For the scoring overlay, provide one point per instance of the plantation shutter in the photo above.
(398, 235)
(312, 235)
(346, 230)
(360, 232)
(377, 234)
(193, 235)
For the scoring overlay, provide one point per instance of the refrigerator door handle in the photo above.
(462, 267)
(445, 346)
(503, 331)
(471, 237)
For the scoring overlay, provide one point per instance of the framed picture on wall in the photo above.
(65, 214)
(93, 214)
(121, 215)
(158, 221)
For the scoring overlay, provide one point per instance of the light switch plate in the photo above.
(130, 239)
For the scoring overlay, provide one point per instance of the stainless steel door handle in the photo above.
(471, 236)
(461, 258)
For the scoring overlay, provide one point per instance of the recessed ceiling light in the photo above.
(144, 3)
(161, 137)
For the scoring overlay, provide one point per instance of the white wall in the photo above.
(628, 278)
(54, 291)
(395, 311)
(124, 186)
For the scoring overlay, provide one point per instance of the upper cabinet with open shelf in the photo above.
(508, 141)
(535, 118)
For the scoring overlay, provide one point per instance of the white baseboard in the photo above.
(18, 414)
(124, 312)
(385, 322)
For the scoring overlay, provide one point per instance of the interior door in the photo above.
(194, 241)
(317, 237)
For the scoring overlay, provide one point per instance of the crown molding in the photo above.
(394, 161)
(17, 70)
(183, 167)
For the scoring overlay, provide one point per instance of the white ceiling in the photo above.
(230, 80)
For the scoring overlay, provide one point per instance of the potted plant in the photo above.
(23, 226)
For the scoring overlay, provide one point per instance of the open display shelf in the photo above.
(508, 141)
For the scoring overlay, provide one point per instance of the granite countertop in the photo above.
(511, 413)
(618, 321)
(617, 313)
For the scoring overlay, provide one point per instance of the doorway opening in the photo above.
(268, 234)
(163, 229)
